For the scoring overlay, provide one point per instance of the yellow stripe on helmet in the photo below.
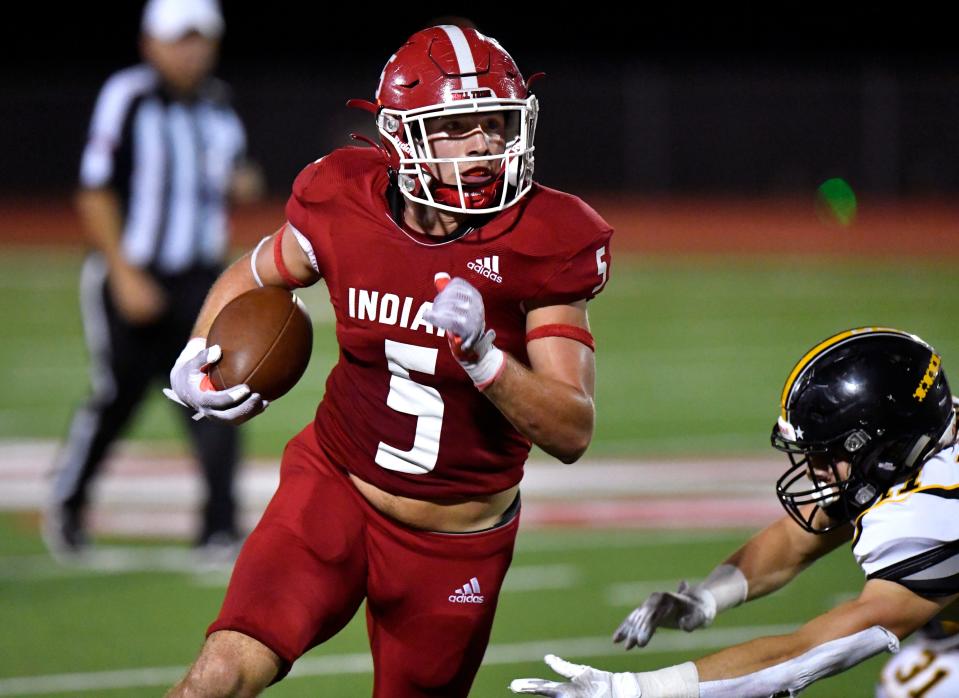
(822, 348)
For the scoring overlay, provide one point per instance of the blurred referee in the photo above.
(165, 153)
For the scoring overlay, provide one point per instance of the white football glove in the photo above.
(585, 682)
(687, 608)
(190, 387)
(458, 309)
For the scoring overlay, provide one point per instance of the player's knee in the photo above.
(229, 666)
(213, 676)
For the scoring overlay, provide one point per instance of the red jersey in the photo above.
(399, 411)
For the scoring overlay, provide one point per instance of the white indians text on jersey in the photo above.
(390, 309)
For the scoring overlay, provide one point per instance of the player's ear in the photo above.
(146, 46)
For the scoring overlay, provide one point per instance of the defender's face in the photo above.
(825, 471)
(827, 475)
(185, 63)
(468, 136)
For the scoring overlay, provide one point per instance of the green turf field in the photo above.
(570, 589)
(692, 353)
(691, 357)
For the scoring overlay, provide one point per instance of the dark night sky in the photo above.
(99, 35)
(724, 98)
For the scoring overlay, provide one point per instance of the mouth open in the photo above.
(477, 176)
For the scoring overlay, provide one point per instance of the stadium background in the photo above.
(702, 137)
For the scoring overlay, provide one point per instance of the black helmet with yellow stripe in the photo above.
(860, 412)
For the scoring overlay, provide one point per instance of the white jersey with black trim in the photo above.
(911, 535)
(922, 669)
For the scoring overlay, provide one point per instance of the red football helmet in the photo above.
(444, 72)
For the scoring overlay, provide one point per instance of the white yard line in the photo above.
(360, 662)
(631, 594)
(109, 559)
(112, 560)
(100, 561)
(148, 493)
(137, 476)
(535, 541)
(634, 593)
(540, 577)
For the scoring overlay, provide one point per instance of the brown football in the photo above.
(266, 338)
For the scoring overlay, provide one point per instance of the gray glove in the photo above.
(458, 309)
(687, 608)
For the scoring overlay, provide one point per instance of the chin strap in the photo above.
(392, 159)
(473, 197)
(950, 435)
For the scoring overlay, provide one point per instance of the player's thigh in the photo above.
(432, 598)
(301, 574)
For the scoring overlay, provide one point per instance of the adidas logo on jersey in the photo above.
(486, 266)
(468, 593)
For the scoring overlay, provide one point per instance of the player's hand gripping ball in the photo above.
(268, 339)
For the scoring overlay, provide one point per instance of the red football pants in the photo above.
(320, 549)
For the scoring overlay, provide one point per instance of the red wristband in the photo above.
(568, 331)
(290, 280)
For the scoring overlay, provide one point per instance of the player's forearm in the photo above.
(779, 552)
(235, 280)
(822, 658)
(766, 568)
(102, 220)
(842, 621)
(552, 414)
(749, 657)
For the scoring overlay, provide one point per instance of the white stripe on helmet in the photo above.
(464, 57)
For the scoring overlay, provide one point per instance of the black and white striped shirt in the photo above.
(171, 162)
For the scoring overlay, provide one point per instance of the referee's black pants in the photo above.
(126, 360)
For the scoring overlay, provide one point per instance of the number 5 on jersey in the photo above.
(422, 401)
(601, 268)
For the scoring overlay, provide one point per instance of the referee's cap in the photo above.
(169, 20)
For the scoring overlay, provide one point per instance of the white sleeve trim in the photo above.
(679, 681)
(256, 251)
(305, 245)
(728, 586)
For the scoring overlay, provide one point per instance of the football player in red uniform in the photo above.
(460, 290)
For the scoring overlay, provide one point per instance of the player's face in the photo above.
(468, 136)
(827, 471)
(184, 63)
(826, 474)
